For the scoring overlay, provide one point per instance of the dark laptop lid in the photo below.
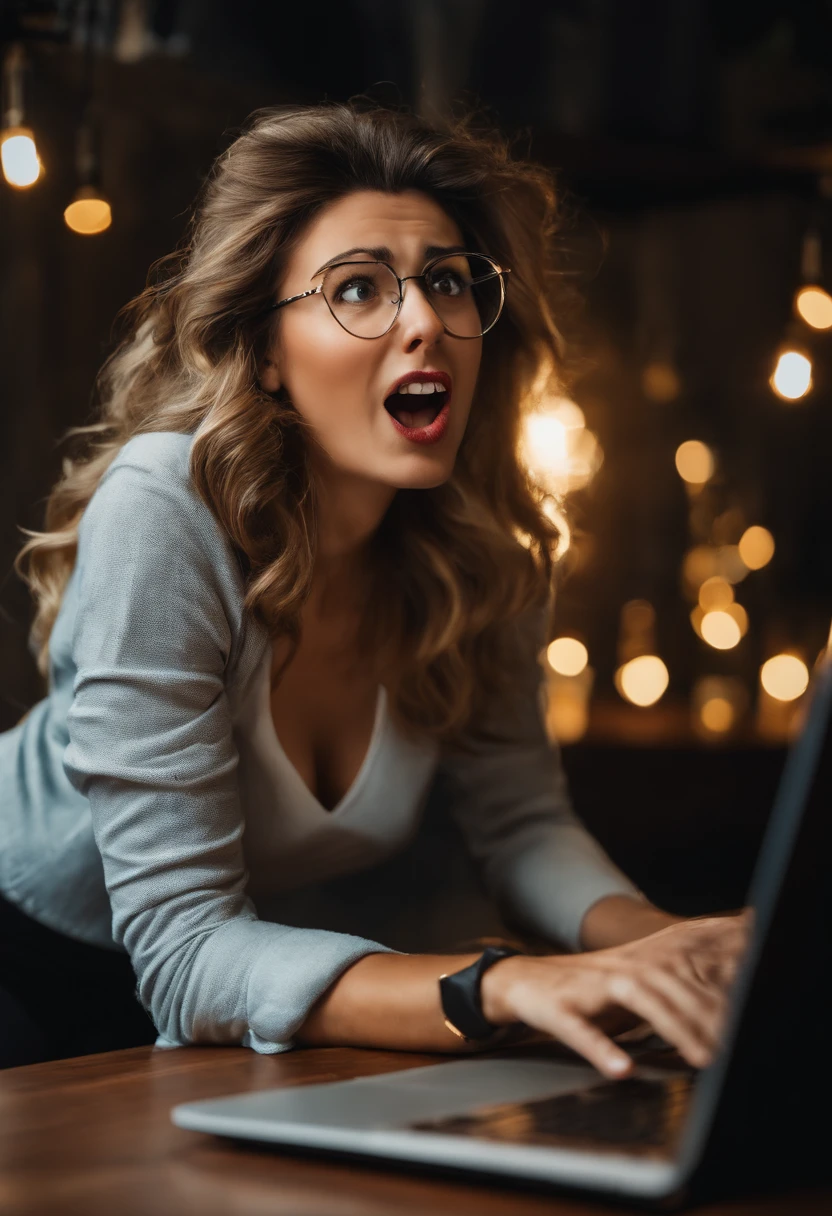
(755, 1113)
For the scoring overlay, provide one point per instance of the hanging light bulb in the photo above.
(792, 375)
(814, 305)
(18, 152)
(811, 302)
(89, 211)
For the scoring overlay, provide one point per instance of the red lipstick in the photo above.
(405, 403)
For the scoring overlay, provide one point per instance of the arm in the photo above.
(512, 804)
(617, 919)
(151, 747)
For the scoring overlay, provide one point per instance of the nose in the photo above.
(417, 321)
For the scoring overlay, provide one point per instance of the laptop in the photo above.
(759, 1115)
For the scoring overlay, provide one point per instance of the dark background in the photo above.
(693, 146)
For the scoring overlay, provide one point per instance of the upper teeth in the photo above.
(426, 386)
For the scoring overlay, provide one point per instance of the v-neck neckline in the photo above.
(360, 776)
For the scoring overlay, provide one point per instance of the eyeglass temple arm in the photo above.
(292, 299)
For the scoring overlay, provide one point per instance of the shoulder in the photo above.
(147, 498)
(162, 456)
(150, 477)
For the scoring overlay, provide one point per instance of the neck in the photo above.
(350, 510)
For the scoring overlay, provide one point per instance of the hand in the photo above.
(676, 980)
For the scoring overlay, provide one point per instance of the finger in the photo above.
(665, 1020)
(700, 1007)
(582, 1036)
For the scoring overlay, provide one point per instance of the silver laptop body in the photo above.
(539, 1114)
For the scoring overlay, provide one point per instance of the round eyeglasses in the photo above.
(466, 291)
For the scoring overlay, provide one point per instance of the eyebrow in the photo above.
(382, 253)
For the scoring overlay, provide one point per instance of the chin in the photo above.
(426, 478)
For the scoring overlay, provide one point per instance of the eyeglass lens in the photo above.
(465, 290)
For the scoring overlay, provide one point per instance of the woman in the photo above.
(296, 575)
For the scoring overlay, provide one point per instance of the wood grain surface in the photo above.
(93, 1135)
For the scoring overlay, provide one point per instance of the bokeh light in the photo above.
(715, 593)
(717, 715)
(660, 381)
(756, 547)
(88, 213)
(792, 377)
(740, 616)
(19, 157)
(694, 462)
(815, 307)
(729, 563)
(784, 677)
(718, 704)
(720, 630)
(567, 656)
(556, 447)
(642, 681)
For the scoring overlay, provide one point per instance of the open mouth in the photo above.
(415, 412)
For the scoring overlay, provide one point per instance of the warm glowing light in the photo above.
(567, 656)
(700, 563)
(720, 630)
(815, 307)
(740, 616)
(792, 377)
(568, 413)
(643, 680)
(784, 677)
(729, 563)
(88, 213)
(717, 715)
(695, 462)
(718, 704)
(561, 454)
(545, 443)
(756, 547)
(661, 382)
(567, 704)
(19, 157)
(715, 593)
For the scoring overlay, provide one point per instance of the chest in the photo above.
(323, 710)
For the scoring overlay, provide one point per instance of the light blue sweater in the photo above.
(121, 816)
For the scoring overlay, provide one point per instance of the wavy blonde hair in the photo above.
(455, 568)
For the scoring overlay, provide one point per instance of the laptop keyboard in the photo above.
(633, 1114)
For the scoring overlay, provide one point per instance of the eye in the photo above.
(363, 290)
(447, 283)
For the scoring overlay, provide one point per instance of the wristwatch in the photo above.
(460, 996)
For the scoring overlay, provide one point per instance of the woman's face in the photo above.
(339, 382)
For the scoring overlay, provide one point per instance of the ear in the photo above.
(269, 376)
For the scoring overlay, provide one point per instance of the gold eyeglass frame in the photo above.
(499, 272)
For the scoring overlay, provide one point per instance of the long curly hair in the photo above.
(457, 567)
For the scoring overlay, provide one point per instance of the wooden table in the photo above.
(93, 1135)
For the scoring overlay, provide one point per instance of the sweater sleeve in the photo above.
(151, 746)
(512, 804)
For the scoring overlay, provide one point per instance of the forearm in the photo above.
(389, 1001)
(617, 919)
